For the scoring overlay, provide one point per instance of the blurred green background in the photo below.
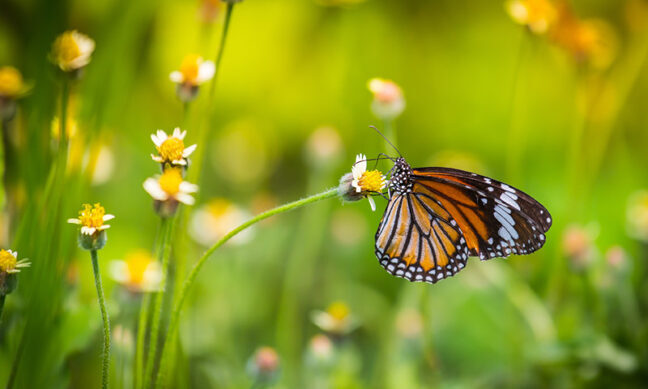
(482, 93)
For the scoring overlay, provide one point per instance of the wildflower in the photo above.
(336, 320)
(263, 366)
(588, 41)
(361, 183)
(209, 10)
(537, 15)
(194, 70)
(617, 258)
(578, 246)
(409, 323)
(9, 267)
(388, 102)
(92, 235)
(637, 216)
(321, 348)
(139, 272)
(171, 149)
(215, 219)
(12, 87)
(71, 51)
(168, 190)
(323, 146)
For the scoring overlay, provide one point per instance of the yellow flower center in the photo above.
(137, 262)
(7, 261)
(66, 48)
(172, 149)
(170, 181)
(371, 181)
(92, 216)
(339, 310)
(11, 82)
(189, 68)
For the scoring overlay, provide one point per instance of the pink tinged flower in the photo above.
(389, 101)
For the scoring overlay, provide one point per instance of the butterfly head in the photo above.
(400, 180)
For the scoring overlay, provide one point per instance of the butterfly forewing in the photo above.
(437, 217)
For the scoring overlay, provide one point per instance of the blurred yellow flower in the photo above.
(537, 15)
(72, 50)
(12, 85)
(139, 272)
(9, 262)
(171, 149)
(588, 41)
(637, 215)
(336, 320)
(71, 130)
(388, 102)
(193, 72)
(361, 183)
(170, 187)
(92, 219)
(215, 219)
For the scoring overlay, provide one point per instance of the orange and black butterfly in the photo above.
(438, 217)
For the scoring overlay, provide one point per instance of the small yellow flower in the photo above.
(388, 102)
(171, 149)
(92, 219)
(361, 183)
(139, 272)
(336, 320)
(9, 262)
(72, 50)
(194, 70)
(537, 15)
(168, 190)
(12, 85)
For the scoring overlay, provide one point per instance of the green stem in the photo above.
(194, 173)
(106, 322)
(142, 324)
(163, 257)
(2, 301)
(391, 135)
(175, 315)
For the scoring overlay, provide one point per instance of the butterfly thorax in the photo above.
(400, 179)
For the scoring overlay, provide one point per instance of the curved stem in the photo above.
(164, 254)
(175, 315)
(106, 322)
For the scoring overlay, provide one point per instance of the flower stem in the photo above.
(175, 315)
(2, 301)
(142, 324)
(163, 257)
(106, 322)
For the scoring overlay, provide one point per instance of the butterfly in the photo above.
(438, 217)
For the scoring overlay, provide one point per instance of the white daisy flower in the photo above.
(92, 219)
(171, 149)
(365, 182)
(72, 50)
(9, 262)
(138, 271)
(194, 70)
(169, 187)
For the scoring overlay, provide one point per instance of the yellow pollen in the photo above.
(170, 181)
(137, 261)
(7, 261)
(11, 82)
(66, 48)
(338, 310)
(189, 68)
(92, 216)
(371, 181)
(172, 149)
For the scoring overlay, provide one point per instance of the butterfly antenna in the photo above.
(387, 140)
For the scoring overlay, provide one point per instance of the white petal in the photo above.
(152, 186)
(157, 158)
(88, 230)
(178, 133)
(176, 77)
(188, 150)
(206, 71)
(372, 203)
(187, 187)
(74, 221)
(103, 227)
(355, 184)
(108, 217)
(185, 198)
(119, 271)
(179, 162)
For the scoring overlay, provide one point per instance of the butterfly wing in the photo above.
(419, 241)
(496, 219)
(428, 233)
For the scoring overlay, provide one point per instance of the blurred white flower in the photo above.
(72, 51)
(388, 102)
(637, 215)
(138, 271)
(219, 216)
